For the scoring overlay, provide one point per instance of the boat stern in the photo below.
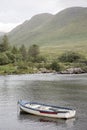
(70, 114)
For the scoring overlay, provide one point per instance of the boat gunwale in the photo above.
(23, 103)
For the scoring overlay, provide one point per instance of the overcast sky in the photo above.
(14, 12)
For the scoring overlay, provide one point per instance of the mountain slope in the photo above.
(23, 33)
(67, 27)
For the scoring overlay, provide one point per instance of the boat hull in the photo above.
(64, 113)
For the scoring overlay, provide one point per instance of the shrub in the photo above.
(70, 57)
(22, 66)
(3, 59)
(55, 66)
(11, 57)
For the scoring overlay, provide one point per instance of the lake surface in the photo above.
(62, 90)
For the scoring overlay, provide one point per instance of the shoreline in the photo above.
(59, 73)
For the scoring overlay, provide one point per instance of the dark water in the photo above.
(61, 90)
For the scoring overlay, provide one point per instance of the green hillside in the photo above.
(27, 32)
(66, 30)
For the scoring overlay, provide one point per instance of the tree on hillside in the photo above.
(23, 52)
(4, 46)
(14, 50)
(34, 51)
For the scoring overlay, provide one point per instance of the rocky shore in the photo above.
(67, 71)
(73, 71)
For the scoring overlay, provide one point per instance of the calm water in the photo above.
(61, 90)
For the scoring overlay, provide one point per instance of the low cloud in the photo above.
(16, 11)
(6, 27)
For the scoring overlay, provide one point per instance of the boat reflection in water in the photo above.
(24, 117)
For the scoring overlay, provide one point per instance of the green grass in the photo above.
(55, 51)
(7, 69)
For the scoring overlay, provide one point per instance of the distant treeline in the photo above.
(29, 60)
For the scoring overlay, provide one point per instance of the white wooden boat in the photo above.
(46, 110)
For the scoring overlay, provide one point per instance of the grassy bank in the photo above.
(40, 68)
(55, 51)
